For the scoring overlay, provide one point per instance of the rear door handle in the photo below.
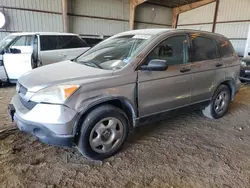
(219, 65)
(185, 70)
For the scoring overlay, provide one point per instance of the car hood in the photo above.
(62, 72)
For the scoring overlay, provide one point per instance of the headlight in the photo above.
(17, 87)
(55, 94)
(243, 64)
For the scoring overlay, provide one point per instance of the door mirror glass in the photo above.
(155, 65)
(15, 51)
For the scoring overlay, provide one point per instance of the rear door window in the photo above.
(225, 47)
(204, 48)
(68, 42)
(49, 42)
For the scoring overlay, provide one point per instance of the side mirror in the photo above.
(155, 65)
(15, 51)
(249, 53)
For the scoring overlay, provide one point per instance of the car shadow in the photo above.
(7, 85)
(169, 123)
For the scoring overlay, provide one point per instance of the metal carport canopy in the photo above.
(178, 7)
(171, 3)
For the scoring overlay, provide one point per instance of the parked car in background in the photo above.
(92, 40)
(245, 69)
(22, 52)
(129, 79)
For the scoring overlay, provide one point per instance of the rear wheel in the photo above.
(219, 104)
(103, 132)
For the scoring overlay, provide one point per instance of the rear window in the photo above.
(225, 47)
(204, 48)
(61, 42)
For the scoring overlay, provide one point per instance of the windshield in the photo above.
(114, 53)
(6, 41)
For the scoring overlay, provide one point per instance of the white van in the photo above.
(22, 52)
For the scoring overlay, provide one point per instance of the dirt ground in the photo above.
(185, 151)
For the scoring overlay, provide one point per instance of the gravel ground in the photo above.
(185, 151)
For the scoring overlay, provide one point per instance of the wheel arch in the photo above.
(231, 84)
(120, 102)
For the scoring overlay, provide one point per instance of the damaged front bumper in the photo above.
(51, 124)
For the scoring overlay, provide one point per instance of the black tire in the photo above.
(210, 111)
(90, 122)
(33, 62)
(39, 64)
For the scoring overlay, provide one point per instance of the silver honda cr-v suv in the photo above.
(129, 79)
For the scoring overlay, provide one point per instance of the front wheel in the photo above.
(33, 63)
(219, 104)
(103, 132)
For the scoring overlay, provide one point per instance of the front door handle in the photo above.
(185, 70)
(219, 65)
(62, 55)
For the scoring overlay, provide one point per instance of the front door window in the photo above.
(174, 50)
(24, 44)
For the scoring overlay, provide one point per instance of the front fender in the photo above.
(87, 105)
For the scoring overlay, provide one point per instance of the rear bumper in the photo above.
(245, 74)
(51, 124)
(3, 75)
(246, 79)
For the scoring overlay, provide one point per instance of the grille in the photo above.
(23, 90)
(29, 105)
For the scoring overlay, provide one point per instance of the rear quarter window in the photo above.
(225, 47)
(68, 42)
